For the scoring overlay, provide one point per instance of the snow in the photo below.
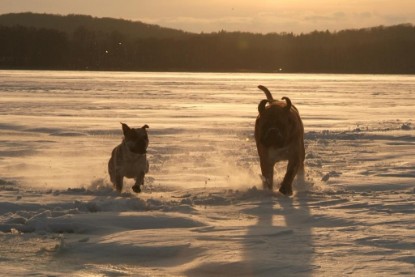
(203, 211)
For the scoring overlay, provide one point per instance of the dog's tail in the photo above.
(267, 93)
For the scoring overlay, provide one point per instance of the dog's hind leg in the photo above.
(301, 169)
(301, 174)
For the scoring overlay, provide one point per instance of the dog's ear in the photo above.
(288, 101)
(261, 106)
(125, 128)
(145, 127)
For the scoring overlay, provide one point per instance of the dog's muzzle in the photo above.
(139, 147)
(273, 137)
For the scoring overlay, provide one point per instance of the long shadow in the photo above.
(280, 243)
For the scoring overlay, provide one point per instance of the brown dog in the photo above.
(279, 136)
(129, 158)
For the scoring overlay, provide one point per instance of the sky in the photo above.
(258, 16)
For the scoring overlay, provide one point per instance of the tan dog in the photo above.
(279, 136)
(129, 158)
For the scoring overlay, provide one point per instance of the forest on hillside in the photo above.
(386, 50)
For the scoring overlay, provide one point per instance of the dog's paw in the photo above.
(137, 188)
(286, 190)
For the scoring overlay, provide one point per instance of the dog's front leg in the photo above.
(267, 167)
(268, 176)
(118, 182)
(139, 181)
(286, 185)
(267, 170)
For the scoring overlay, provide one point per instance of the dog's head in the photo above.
(274, 122)
(136, 139)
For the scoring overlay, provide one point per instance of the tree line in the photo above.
(69, 23)
(385, 50)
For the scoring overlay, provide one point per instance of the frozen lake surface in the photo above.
(203, 211)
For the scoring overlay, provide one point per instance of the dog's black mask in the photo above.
(136, 139)
(274, 131)
(273, 136)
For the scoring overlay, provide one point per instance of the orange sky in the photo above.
(234, 15)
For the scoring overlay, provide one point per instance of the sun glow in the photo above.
(235, 15)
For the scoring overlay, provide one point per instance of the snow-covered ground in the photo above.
(203, 211)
